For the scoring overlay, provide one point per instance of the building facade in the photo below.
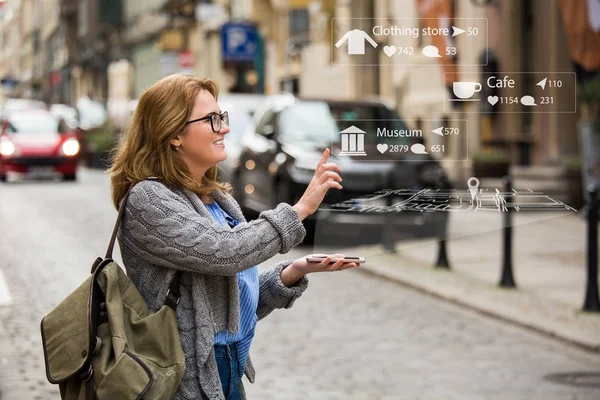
(62, 49)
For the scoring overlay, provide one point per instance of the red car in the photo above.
(37, 142)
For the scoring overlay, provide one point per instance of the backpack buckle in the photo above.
(88, 374)
(172, 297)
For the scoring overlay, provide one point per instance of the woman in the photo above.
(186, 220)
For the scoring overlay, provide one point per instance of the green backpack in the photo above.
(103, 343)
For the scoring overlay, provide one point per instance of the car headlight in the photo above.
(70, 147)
(7, 148)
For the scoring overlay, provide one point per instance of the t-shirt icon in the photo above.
(356, 41)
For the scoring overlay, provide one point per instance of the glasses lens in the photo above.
(226, 117)
(215, 122)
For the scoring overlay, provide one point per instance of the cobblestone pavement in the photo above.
(351, 336)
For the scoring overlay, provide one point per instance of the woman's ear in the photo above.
(176, 142)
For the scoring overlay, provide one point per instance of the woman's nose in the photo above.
(224, 128)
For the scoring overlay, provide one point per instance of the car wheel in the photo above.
(2, 178)
(70, 177)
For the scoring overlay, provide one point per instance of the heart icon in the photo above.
(492, 100)
(389, 50)
(382, 147)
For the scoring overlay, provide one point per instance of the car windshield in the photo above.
(318, 123)
(307, 123)
(33, 124)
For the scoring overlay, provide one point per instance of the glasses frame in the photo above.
(224, 115)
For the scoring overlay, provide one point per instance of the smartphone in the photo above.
(347, 259)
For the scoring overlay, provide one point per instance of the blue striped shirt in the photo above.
(248, 288)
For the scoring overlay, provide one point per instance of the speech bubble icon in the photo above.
(431, 51)
(418, 148)
(528, 101)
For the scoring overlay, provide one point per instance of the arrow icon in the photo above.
(438, 131)
(457, 31)
(542, 83)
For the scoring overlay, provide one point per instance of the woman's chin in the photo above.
(220, 158)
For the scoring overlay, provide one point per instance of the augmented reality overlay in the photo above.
(472, 200)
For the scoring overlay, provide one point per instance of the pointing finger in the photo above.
(323, 159)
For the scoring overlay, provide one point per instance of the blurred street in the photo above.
(351, 336)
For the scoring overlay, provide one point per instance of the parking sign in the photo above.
(239, 41)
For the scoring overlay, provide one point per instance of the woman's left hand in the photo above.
(305, 267)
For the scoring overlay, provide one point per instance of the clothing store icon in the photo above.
(356, 41)
(353, 142)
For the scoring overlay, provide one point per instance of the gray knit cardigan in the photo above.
(167, 229)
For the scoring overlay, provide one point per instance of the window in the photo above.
(299, 22)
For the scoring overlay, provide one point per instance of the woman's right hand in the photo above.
(325, 178)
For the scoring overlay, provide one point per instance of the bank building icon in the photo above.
(353, 142)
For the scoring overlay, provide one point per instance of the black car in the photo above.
(240, 108)
(277, 162)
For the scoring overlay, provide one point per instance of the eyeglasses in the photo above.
(215, 120)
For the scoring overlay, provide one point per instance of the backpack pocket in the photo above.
(130, 378)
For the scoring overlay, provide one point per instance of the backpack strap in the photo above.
(113, 238)
(173, 294)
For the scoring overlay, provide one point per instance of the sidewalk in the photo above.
(549, 264)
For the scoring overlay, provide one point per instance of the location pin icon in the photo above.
(473, 184)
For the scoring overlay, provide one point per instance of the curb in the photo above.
(517, 320)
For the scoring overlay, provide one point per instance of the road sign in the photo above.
(186, 59)
(239, 41)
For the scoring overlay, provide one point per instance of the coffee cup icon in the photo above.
(465, 90)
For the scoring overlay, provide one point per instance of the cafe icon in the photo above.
(353, 142)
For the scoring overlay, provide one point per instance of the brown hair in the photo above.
(145, 149)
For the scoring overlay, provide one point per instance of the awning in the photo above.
(438, 14)
(584, 41)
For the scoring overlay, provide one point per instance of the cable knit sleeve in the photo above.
(273, 293)
(164, 229)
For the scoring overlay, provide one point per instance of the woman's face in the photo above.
(200, 147)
